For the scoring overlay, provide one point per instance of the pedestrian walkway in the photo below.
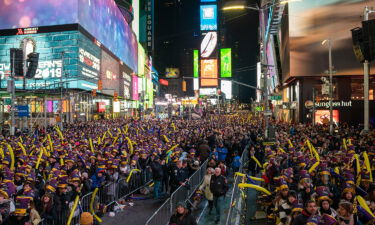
(134, 215)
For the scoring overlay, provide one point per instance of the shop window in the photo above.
(322, 92)
(357, 89)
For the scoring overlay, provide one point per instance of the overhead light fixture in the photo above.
(288, 1)
(234, 7)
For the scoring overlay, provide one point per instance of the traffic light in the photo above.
(32, 59)
(100, 85)
(93, 92)
(16, 61)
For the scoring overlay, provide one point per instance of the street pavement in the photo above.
(134, 215)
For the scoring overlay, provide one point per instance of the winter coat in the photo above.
(205, 187)
(222, 153)
(204, 152)
(218, 185)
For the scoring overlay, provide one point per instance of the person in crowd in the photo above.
(218, 187)
(236, 162)
(205, 187)
(309, 211)
(46, 209)
(182, 216)
(157, 176)
(345, 213)
(222, 152)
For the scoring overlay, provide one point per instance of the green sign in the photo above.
(258, 108)
(275, 97)
(225, 62)
(196, 63)
(7, 101)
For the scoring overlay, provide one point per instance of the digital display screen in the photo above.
(135, 87)
(209, 70)
(208, 17)
(196, 63)
(172, 72)
(226, 88)
(90, 63)
(322, 116)
(125, 82)
(101, 18)
(225, 62)
(311, 22)
(209, 45)
(208, 0)
(109, 74)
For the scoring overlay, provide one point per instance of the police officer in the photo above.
(219, 187)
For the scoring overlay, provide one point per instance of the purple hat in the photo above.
(323, 194)
(297, 207)
(63, 181)
(288, 172)
(281, 183)
(327, 220)
(52, 185)
(366, 217)
(313, 220)
(22, 204)
(304, 174)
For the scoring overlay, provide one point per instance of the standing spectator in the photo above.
(46, 209)
(6, 206)
(218, 187)
(182, 216)
(97, 179)
(157, 176)
(222, 152)
(204, 151)
(345, 213)
(205, 187)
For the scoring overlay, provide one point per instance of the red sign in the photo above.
(100, 106)
(22, 31)
(163, 82)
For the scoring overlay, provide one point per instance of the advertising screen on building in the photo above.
(135, 88)
(226, 88)
(209, 45)
(208, 17)
(109, 74)
(90, 63)
(322, 116)
(172, 72)
(101, 18)
(225, 62)
(196, 63)
(311, 22)
(209, 71)
(125, 82)
(208, 0)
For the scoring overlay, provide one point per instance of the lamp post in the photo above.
(329, 42)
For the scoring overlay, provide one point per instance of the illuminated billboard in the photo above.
(311, 22)
(226, 88)
(225, 62)
(101, 18)
(208, 17)
(135, 88)
(209, 45)
(110, 74)
(322, 116)
(208, 0)
(172, 72)
(209, 73)
(196, 63)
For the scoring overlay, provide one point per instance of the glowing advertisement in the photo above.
(207, 91)
(196, 63)
(150, 93)
(135, 88)
(225, 62)
(141, 60)
(109, 74)
(172, 72)
(101, 18)
(90, 64)
(196, 84)
(322, 116)
(209, 71)
(208, 17)
(209, 45)
(226, 88)
(311, 22)
(208, 0)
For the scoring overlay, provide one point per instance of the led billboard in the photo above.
(109, 74)
(226, 88)
(208, 0)
(125, 82)
(196, 63)
(225, 62)
(172, 72)
(101, 18)
(209, 73)
(135, 88)
(322, 116)
(209, 45)
(208, 17)
(311, 22)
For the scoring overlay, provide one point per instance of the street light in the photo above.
(329, 42)
(238, 5)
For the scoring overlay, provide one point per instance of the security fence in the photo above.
(238, 202)
(104, 199)
(183, 193)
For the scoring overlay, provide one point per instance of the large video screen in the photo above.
(209, 45)
(101, 18)
(209, 71)
(208, 15)
(311, 22)
(36, 13)
(110, 74)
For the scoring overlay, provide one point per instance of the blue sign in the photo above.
(208, 16)
(208, 0)
(23, 110)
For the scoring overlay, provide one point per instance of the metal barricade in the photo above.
(237, 202)
(182, 193)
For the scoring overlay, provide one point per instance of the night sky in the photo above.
(177, 34)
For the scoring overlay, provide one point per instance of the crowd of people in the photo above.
(315, 177)
(41, 174)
